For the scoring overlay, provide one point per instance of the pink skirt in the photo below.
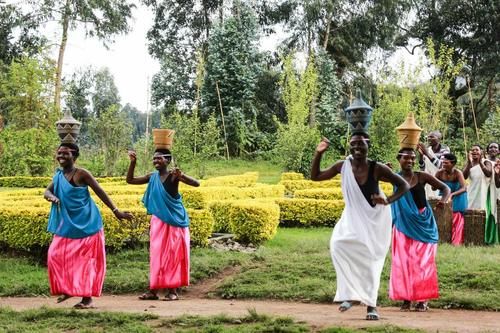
(457, 228)
(77, 267)
(168, 255)
(413, 269)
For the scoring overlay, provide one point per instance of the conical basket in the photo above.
(358, 115)
(163, 138)
(68, 128)
(409, 133)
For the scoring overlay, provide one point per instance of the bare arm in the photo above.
(385, 174)
(486, 167)
(94, 185)
(461, 180)
(49, 193)
(497, 173)
(466, 171)
(130, 173)
(316, 173)
(178, 174)
(437, 184)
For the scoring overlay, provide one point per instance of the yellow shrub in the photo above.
(201, 226)
(320, 193)
(293, 185)
(22, 181)
(254, 222)
(245, 180)
(291, 176)
(221, 211)
(310, 211)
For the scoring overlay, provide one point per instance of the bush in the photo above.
(27, 182)
(291, 176)
(310, 212)
(253, 222)
(320, 193)
(245, 180)
(201, 226)
(293, 185)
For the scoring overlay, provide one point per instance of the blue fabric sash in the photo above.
(407, 219)
(76, 215)
(460, 202)
(160, 203)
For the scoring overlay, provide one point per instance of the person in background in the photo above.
(454, 178)
(429, 158)
(169, 231)
(361, 238)
(414, 238)
(480, 170)
(76, 260)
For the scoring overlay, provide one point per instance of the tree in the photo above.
(101, 18)
(18, 33)
(346, 30)
(112, 133)
(105, 92)
(25, 90)
(78, 89)
(232, 68)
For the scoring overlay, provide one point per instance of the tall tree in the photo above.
(105, 92)
(472, 29)
(232, 68)
(100, 18)
(19, 33)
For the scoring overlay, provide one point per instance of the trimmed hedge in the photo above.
(34, 182)
(253, 222)
(293, 185)
(291, 176)
(245, 180)
(201, 226)
(320, 193)
(310, 212)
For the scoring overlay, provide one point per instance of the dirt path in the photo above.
(317, 315)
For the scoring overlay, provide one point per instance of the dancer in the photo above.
(361, 238)
(454, 179)
(169, 230)
(480, 171)
(76, 259)
(414, 239)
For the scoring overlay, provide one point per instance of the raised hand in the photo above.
(132, 155)
(323, 145)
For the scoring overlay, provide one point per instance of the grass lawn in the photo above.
(295, 265)
(55, 320)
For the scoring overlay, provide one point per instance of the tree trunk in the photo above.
(60, 59)
(327, 32)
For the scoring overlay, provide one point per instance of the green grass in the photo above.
(295, 265)
(57, 320)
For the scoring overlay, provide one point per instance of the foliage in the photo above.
(111, 133)
(231, 72)
(28, 152)
(296, 141)
(327, 105)
(19, 33)
(194, 141)
(254, 223)
(310, 212)
(491, 129)
(26, 92)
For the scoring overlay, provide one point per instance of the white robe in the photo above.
(478, 188)
(432, 169)
(359, 243)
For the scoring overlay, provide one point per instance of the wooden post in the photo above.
(222, 116)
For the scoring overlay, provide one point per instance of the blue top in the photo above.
(76, 215)
(407, 219)
(160, 203)
(460, 202)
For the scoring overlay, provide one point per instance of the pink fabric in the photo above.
(457, 229)
(168, 255)
(77, 267)
(413, 269)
